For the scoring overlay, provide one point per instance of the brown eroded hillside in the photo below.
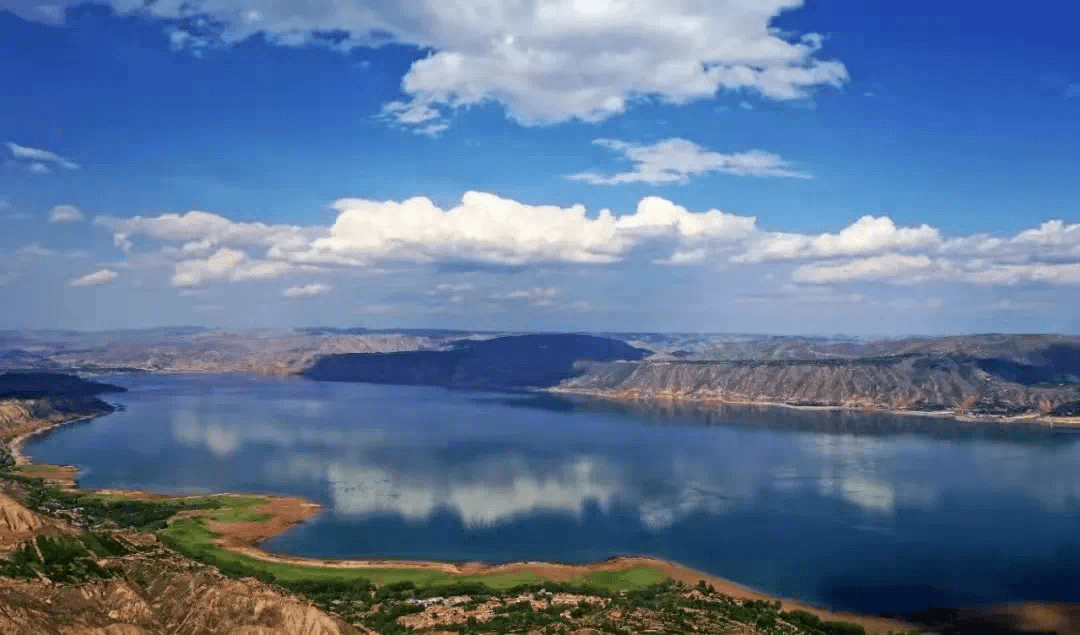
(159, 594)
(919, 382)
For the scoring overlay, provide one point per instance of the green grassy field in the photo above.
(192, 537)
(239, 516)
(222, 501)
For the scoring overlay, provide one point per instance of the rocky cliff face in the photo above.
(914, 382)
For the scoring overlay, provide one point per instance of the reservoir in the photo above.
(858, 511)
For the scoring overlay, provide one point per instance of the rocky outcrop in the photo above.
(923, 382)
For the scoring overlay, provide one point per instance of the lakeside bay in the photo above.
(856, 511)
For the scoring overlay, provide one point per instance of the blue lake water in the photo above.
(857, 511)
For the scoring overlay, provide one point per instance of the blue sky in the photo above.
(839, 167)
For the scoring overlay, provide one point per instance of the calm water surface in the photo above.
(856, 511)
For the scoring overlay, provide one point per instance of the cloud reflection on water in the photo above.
(807, 504)
(383, 468)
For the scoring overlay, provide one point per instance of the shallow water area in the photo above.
(858, 511)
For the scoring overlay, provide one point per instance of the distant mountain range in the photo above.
(994, 374)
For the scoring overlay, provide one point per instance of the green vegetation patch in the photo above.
(664, 607)
(227, 501)
(639, 577)
(104, 544)
(10, 475)
(240, 516)
(814, 625)
(90, 509)
(63, 559)
(191, 537)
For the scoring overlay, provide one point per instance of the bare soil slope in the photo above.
(154, 598)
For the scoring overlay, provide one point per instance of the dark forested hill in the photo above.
(504, 362)
(36, 385)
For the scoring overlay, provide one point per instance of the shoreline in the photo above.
(15, 445)
(1036, 419)
(291, 511)
(1043, 420)
(557, 571)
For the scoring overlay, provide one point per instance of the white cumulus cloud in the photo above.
(910, 269)
(486, 229)
(65, 214)
(545, 61)
(656, 216)
(1053, 233)
(206, 229)
(306, 291)
(451, 287)
(537, 296)
(1010, 274)
(867, 235)
(95, 279)
(890, 266)
(676, 160)
(489, 229)
(227, 264)
(1047, 254)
